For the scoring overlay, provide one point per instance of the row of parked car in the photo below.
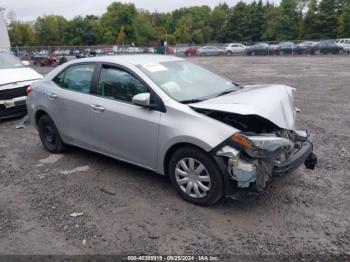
(307, 47)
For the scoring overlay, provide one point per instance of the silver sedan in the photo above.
(212, 137)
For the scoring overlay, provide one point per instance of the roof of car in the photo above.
(133, 59)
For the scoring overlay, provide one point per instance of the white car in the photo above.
(134, 50)
(344, 43)
(15, 78)
(234, 48)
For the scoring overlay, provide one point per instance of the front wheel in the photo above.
(195, 176)
(49, 135)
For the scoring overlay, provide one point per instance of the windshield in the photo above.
(184, 81)
(8, 61)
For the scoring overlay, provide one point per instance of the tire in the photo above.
(203, 188)
(229, 53)
(253, 53)
(281, 53)
(203, 54)
(49, 135)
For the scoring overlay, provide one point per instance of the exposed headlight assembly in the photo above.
(262, 146)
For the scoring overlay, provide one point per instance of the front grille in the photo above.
(13, 93)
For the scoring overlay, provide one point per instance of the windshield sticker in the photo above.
(153, 68)
(171, 87)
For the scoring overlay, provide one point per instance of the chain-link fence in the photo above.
(291, 48)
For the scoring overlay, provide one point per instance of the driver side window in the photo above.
(118, 84)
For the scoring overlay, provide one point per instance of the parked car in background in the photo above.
(134, 50)
(234, 48)
(211, 137)
(344, 43)
(170, 51)
(304, 47)
(15, 77)
(258, 49)
(273, 49)
(209, 51)
(285, 48)
(191, 51)
(148, 50)
(326, 47)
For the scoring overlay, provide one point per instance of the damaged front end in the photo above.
(255, 158)
(266, 142)
(260, 150)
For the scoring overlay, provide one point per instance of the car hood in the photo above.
(15, 75)
(272, 102)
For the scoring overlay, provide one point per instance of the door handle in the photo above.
(97, 108)
(52, 96)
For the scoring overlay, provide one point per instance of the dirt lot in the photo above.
(128, 210)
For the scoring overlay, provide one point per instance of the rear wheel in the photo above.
(195, 176)
(49, 135)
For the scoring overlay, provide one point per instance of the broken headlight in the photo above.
(262, 146)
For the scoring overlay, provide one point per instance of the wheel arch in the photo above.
(38, 114)
(171, 150)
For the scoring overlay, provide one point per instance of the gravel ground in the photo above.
(128, 210)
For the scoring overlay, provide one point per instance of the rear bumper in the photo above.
(295, 161)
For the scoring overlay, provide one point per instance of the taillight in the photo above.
(29, 90)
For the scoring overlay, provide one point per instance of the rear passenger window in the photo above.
(76, 78)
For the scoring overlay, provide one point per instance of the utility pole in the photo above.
(4, 35)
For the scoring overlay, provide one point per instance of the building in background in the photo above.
(4, 35)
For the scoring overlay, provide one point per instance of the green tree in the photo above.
(311, 22)
(117, 15)
(343, 29)
(183, 32)
(146, 31)
(328, 20)
(239, 22)
(22, 34)
(285, 22)
(50, 30)
(218, 22)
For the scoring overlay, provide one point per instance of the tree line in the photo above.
(257, 21)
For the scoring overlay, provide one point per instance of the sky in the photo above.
(28, 10)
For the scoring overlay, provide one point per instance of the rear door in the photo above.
(68, 103)
(120, 128)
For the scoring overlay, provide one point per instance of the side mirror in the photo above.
(143, 99)
(26, 63)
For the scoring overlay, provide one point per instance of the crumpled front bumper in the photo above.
(295, 160)
(264, 169)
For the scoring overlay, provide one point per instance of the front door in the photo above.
(120, 128)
